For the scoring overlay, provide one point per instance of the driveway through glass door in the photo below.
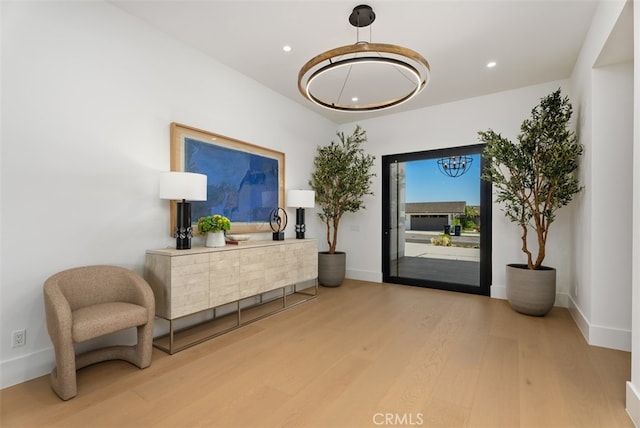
(437, 220)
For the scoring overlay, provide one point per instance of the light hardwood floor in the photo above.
(357, 356)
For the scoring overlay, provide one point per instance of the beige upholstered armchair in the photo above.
(87, 302)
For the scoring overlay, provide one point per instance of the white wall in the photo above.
(450, 125)
(611, 202)
(600, 297)
(633, 386)
(88, 93)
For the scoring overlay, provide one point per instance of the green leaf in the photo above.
(341, 178)
(535, 177)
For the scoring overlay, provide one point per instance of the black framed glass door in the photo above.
(436, 220)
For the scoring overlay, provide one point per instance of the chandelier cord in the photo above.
(344, 84)
(398, 69)
(346, 79)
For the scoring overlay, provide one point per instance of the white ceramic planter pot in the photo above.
(215, 239)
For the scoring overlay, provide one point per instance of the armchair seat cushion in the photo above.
(104, 318)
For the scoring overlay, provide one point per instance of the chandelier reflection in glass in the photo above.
(454, 166)
(364, 76)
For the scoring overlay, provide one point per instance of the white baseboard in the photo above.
(39, 363)
(364, 275)
(26, 367)
(613, 338)
(633, 404)
(579, 319)
(597, 335)
(498, 292)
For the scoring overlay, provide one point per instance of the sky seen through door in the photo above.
(425, 183)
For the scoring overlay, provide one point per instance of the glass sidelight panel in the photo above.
(437, 220)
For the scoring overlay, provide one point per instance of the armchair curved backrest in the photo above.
(90, 285)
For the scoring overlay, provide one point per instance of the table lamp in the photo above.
(300, 199)
(183, 187)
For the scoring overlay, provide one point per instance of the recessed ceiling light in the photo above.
(491, 64)
(354, 99)
(286, 48)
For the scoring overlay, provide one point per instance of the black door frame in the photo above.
(485, 222)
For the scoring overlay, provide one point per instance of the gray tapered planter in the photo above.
(331, 268)
(531, 292)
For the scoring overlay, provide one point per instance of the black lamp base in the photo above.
(183, 232)
(278, 236)
(300, 227)
(183, 243)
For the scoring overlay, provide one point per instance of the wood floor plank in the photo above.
(356, 356)
(496, 400)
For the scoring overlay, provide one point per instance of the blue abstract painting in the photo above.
(241, 186)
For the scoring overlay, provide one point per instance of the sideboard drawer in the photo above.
(224, 277)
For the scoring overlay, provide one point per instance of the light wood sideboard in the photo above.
(262, 277)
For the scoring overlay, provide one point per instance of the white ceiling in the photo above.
(532, 41)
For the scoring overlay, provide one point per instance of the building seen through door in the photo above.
(437, 220)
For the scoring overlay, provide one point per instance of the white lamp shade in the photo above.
(301, 198)
(183, 185)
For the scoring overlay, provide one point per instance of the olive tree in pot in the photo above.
(533, 179)
(341, 178)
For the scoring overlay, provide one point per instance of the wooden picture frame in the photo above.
(245, 182)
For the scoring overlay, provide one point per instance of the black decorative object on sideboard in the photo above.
(278, 222)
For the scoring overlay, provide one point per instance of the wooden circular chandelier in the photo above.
(364, 76)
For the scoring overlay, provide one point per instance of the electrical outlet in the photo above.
(19, 338)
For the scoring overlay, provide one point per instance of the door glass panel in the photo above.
(433, 224)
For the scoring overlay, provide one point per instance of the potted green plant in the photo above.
(341, 178)
(533, 179)
(212, 227)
